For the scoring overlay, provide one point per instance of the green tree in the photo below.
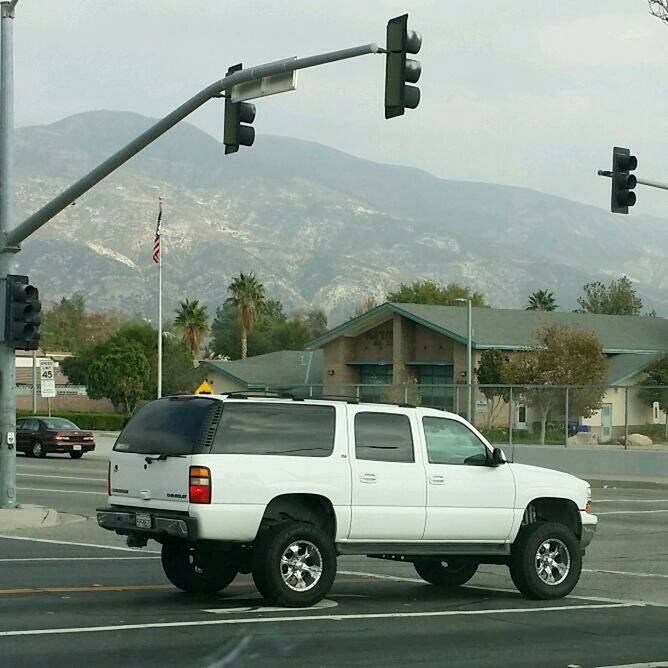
(542, 300)
(655, 387)
(69, 326)
(192, 321)
(121, 375)
(491, 371)
(247, 294)
(429, 292)
(564, 356)
(617, 298)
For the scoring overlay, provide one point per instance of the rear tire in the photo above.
(446, 573)
(38, 450)
(197, 569)
(545, 561)
(294, 565)
(76, 455)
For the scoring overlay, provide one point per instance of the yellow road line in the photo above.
(156, 587)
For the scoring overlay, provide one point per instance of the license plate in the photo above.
(143, 520)
(76, 447)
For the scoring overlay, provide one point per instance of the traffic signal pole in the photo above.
(7, 355)
(640, 182)
(11, 237)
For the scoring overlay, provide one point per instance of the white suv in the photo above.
(279, 487)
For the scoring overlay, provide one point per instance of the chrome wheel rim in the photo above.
(553, 562)
(37, 449)
(301, 566)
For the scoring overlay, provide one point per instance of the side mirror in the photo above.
(496, 458)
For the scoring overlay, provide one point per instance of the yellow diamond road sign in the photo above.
(204, 388)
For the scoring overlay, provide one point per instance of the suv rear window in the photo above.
(275, 429)
(170, 426)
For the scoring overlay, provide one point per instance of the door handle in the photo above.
(436, 479)
(368, 477)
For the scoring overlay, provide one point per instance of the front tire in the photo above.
(197, 569)
(545, 561)
(294, 565)
(446, 573)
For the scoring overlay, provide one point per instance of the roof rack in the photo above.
(245, 394)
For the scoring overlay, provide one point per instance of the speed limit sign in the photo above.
(47, 378)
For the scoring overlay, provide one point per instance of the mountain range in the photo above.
(319, 227)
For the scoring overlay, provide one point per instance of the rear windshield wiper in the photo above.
(160, 458)
(280, 452)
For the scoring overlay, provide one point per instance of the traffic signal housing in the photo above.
(623, 182)
(237, 128)
(401, 71)
(22, 314)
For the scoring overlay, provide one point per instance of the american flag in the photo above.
(156, 241)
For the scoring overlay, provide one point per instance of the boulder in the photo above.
(638, 440)
(583, 438)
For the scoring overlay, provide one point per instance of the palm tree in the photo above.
(192, 321)
(247, 295)
(542, 300)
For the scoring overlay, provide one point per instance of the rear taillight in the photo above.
(109, 479)
(200, 484)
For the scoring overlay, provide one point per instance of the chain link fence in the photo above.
(567, 415)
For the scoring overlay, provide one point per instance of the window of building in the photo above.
(383, 437)
(372, 378)
(436, 389)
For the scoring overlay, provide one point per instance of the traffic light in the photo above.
(235, 133)
(401, 71)
(623, 182)
(22, 314)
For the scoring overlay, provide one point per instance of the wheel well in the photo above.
(550, 509)
(311, 508)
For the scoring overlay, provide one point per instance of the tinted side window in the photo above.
(170, 426)
(275, 429)
(383, 437)
(451, 442)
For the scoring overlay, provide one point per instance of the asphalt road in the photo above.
(74, 594)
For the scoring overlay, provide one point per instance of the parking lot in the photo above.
(76, 594)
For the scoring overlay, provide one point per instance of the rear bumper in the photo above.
(69, 447)
(164, 523)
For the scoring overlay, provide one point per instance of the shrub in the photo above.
(92, 421)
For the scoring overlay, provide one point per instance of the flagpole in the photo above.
(160, 312)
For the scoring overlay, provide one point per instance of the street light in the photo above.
(469, 366)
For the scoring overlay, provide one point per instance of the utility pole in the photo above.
(7, 354)
(11, 236)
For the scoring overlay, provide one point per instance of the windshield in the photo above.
(171, 426)
(60, 423)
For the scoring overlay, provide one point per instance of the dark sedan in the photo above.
(37, 436)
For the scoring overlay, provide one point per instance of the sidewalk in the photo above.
(28, 517)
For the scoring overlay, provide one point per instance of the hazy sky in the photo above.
(524, 93)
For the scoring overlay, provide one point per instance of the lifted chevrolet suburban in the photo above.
(279, 487)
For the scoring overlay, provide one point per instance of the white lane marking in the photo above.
(653, 664)
(66, 542)
(632, 574)
(60, 477)
(321, 605)
(631, 512)
(64, 491)
(503, 590)
(62, 559)
(309, 618)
